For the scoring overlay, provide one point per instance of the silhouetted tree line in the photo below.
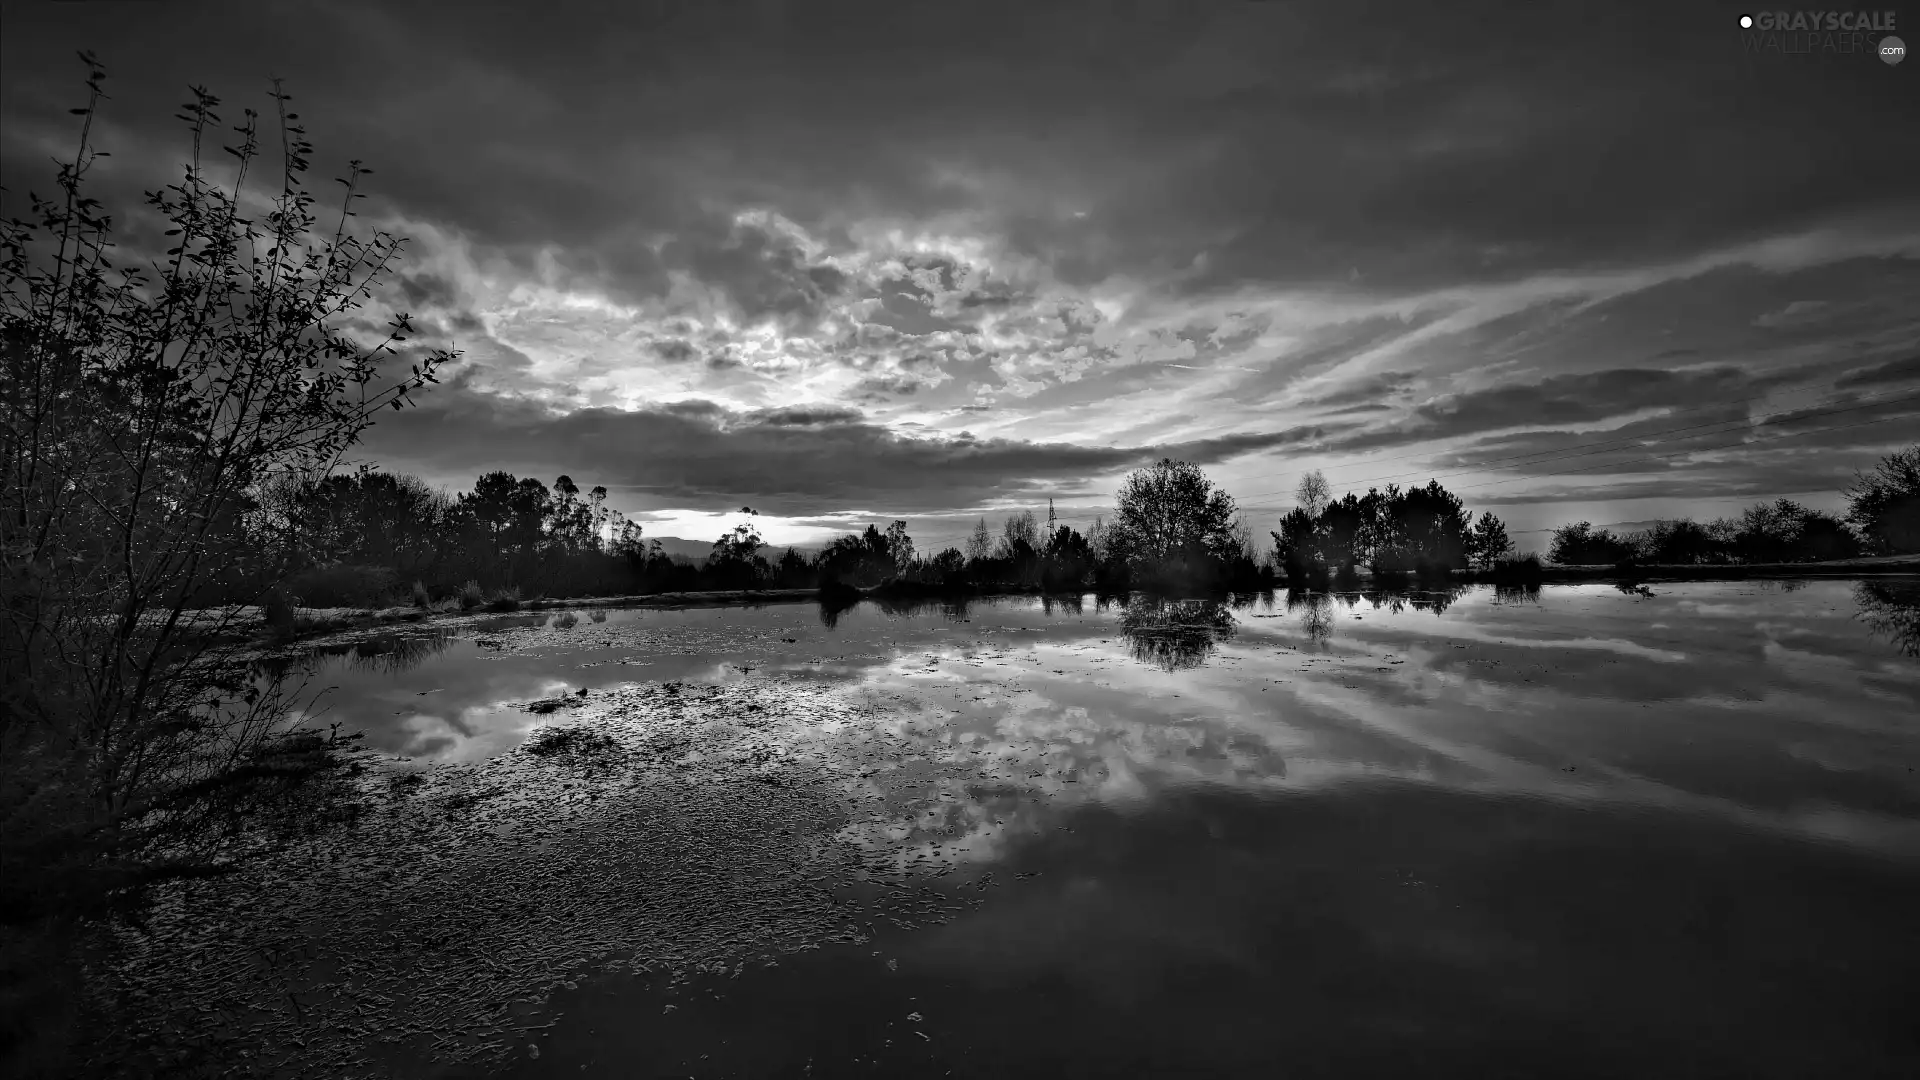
(1172, 531)
(1882, 518)
(1427, 532)
(1423, 531)
(370, 537)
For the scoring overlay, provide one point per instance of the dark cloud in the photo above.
(1365, 153)
(1367, 393)
(1228, 128)
(1891, 373)
(1569, 399)
(674, 350)
(806, 416)
(788, 461)
(766, 275)
(879, 389)
(427, 289)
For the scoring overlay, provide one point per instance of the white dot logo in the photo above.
(1892, 49)
(1746, 22)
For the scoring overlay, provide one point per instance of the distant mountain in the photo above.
(698, 550)
(674, 545)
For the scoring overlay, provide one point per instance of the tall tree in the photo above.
(736, 560)
(1488, 540)
(1170, 511)
(1883, 505)
(980, 542)
(899, 547)
(1019, 536)
(1312, 494)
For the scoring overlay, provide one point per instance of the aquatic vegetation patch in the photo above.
(574, 739)
(707, 825)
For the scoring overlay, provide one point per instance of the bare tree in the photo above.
(1019, 532)
(1313, 494)
(1242, 534)
(1097, 538)
(144, 415)
(980, 542)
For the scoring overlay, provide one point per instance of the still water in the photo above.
(1578, 832)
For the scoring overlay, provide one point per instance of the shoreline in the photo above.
(1550, 574)
(320, 623)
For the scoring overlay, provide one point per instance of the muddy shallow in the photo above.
(1588, 833)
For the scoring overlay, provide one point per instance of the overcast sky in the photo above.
(854, 261)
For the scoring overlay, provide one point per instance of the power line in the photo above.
(1588, 450)
(1494, 461)
(1604, 448)
(1697, 450)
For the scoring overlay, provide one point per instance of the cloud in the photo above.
(1891, 373)
(788, 461)
(663, 240)
(1558, 401)
(1800, 312)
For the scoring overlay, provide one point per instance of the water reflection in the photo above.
(384, 654)
(832, 607)
(1524, 593)
(1316, 613)
(1891, 609)
(1062, 605)
(953, 607)
(450, 693)
(1397, 600)
(1592, 811)
(1175, 634)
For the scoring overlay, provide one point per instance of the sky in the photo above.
(851, 262)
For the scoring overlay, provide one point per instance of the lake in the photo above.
(1578, 831)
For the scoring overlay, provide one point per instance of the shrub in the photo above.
(1581, 544)
(1681, 541)
(506, 599)
(471, 596)
(149, 401)
(1524, 569)
(420, 597)
(278, 612)
(566, 620)
(341, 585)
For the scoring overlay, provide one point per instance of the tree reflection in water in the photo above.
(1316, 609)
(1522, 593)
(831, 608)
(1316, 612)
(1891, 609)
(385, 654)
(1174, 634)
(1396, 600)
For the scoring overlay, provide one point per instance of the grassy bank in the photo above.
(1551, 573)
(315, 622)
(308, 622)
